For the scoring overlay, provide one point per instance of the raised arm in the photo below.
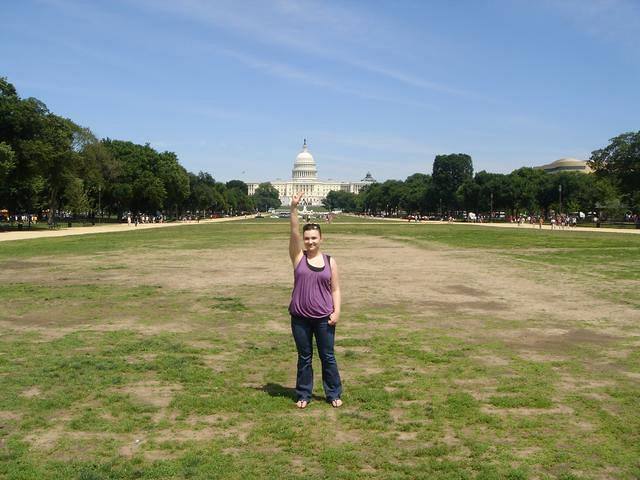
(295, 241)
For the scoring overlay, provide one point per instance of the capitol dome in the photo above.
(304, 167)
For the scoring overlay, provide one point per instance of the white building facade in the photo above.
(304, 178)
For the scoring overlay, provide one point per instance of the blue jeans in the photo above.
(303, 331)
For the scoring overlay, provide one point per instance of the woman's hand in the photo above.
(333, 318)
(295, 200)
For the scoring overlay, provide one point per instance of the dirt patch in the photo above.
(526, 412)
(49, 328)
(31, 392)
(491, 360)
(152, 392)
(405, 436)
(159, 455)
(6, 416)
(218, 362)
(560, 340)
(239, 432)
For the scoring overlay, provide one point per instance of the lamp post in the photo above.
(491, 208)
(560, 196)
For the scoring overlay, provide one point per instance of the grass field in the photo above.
(465, 352)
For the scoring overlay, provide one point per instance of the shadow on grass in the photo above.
(277, 390)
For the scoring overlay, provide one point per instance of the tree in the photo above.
(99, 171)
(392, 194)
(620, 163)
(147, 181)
(237, 200)
(525, 185)
(415, 194)
(239, 184)
(469, 196)
(205, 194)
(22, 125)
(449, 173)
(494, 194)
(175, 180)
(266, 196)
(340, 200)
(76, 197)
(371, 199)
(7, 165)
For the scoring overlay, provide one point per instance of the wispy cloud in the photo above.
(290, 72)
(328, 32)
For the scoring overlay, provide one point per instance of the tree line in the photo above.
(50, 164)
(452, 188)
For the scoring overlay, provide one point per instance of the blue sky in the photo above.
(233, 87)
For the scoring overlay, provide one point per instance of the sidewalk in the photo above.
(525, 226)
(111, 227)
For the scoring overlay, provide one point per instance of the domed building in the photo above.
(304, 178)
(567, 164)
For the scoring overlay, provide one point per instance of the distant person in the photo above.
(315, 309)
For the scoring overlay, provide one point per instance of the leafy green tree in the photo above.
(147, 181)
(266, 196)
(239, 184)
(76, 197)
(175, 181)
(7, 165)
(449, 173)
(370, 199)
(494, 191)
(415, 193)
(205, 194)
(468, 196)
(619, 162)
(22, 125)
(525, 184)
(237, 199)
(100, 172)
(340, 200)
(392, 194)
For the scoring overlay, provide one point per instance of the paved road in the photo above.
(546, 226)
(111, 227)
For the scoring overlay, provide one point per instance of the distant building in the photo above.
(566, 165)
(304, 178)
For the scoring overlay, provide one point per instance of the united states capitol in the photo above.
(304, 178)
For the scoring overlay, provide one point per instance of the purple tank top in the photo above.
(311, 297)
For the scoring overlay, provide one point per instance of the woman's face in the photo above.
(312, 240)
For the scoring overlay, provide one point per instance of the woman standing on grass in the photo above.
(314, 309)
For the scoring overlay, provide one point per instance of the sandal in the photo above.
(301, 404)
(336, 403)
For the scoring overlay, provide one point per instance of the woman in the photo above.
(314, 309)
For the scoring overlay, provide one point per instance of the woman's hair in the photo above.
(311, 226)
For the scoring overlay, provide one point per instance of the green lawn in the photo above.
(166, 353)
